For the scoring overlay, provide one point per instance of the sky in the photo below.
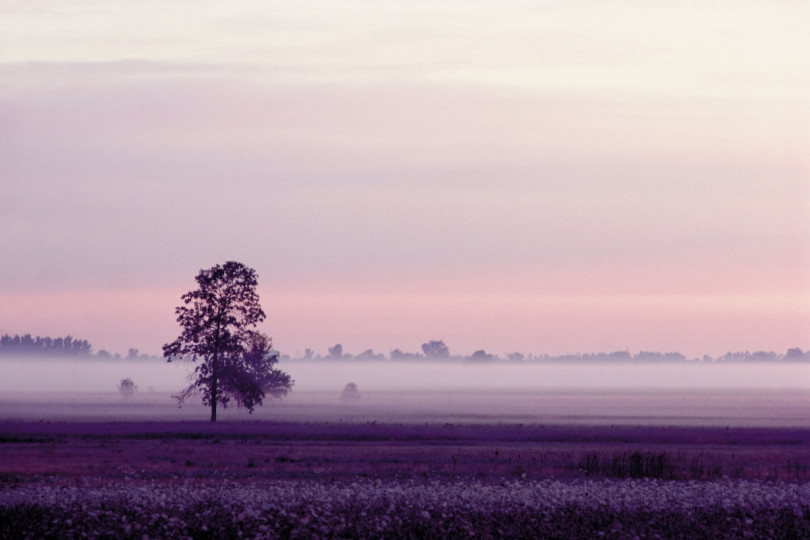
(541, 177)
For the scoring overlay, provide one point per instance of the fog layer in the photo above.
(61, 375)
(671, 394)
(398, 376)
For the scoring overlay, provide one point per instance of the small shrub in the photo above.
(350, 391)
(127, 387)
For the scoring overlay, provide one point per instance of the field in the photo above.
(358, 474)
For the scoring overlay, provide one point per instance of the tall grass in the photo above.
(682, 466)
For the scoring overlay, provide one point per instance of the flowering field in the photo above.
(372, 480)
(407, 509)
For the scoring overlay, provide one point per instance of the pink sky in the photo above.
(543, 178)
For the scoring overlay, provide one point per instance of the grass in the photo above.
(343, 451)
(400, 480)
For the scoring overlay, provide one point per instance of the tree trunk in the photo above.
(214, 376)
(215, 368)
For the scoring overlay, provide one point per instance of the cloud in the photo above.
(363, 179)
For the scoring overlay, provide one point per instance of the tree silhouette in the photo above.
(46, 346)
(218, 320)
(127, 387)
(435, 349)
(252, 376)
(482, 356)
(350, 391)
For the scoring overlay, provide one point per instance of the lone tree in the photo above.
(435, 349)
(218, 322)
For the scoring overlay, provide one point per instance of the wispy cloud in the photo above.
(582, 149)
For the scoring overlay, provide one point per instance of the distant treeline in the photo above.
(45, 346)
(438, 351)
(434, 350)
(27, 345)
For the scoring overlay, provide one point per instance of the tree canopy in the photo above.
(218, 322)
(435, 348)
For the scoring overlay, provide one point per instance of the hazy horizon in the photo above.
(43, 375)
(439, 392)
(37, 348)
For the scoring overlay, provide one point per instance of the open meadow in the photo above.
(416, 465)
(531, 270)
